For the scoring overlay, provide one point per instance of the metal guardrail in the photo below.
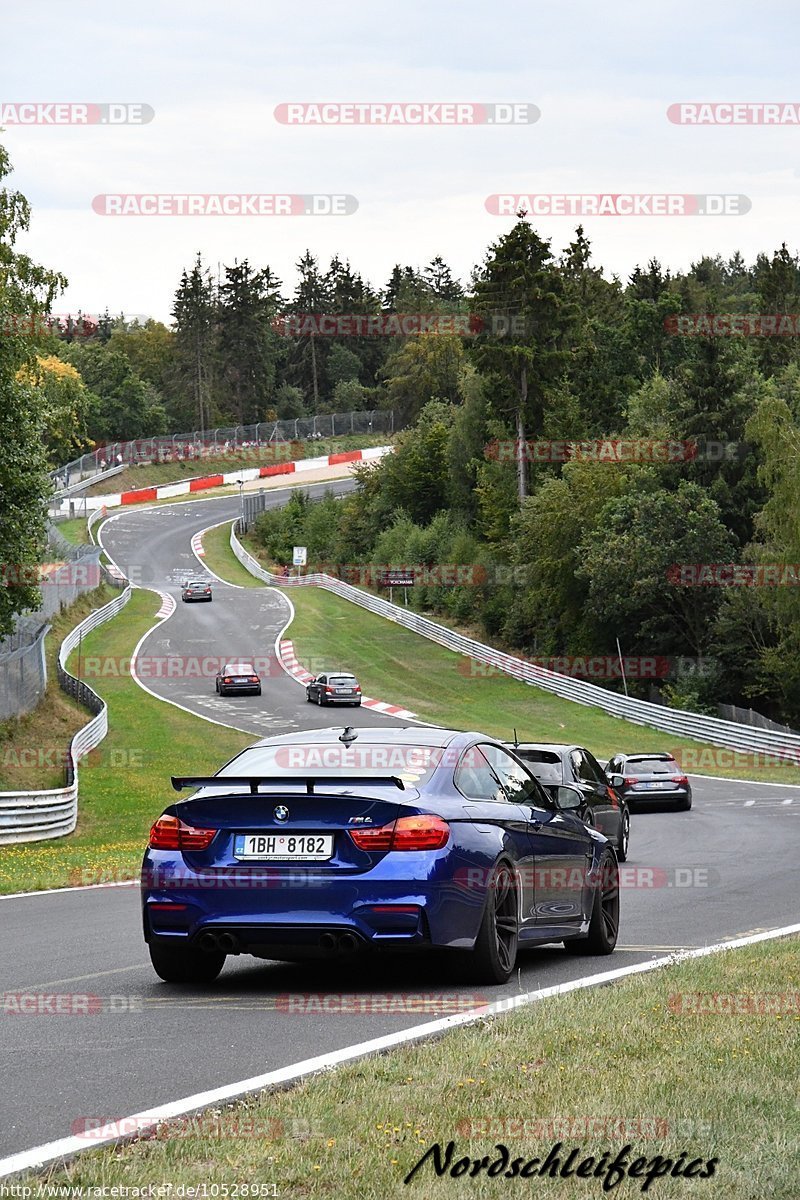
(640, 712)
(207, 441)
(37, 815)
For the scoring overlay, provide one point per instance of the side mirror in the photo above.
(617, 781)
(568, 798)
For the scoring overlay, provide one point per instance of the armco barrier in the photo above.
(640, 712)
(35, 816)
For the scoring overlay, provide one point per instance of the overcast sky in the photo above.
(602, 75)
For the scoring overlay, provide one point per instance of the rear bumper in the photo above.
(290, 911)
(656, 797)
(253, 689)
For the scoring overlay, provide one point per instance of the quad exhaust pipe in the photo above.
(339, 943)
(223, 942)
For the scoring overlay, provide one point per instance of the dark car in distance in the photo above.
(238, 677)
(603, 807)
(334, 687)
(196, 589)
(650, 778)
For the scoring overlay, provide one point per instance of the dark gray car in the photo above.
(604, 807)
(334, 687)
(650, 779)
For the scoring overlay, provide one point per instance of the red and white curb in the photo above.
(197, 545)
(167, 608)
(288, 660)
(231, 478)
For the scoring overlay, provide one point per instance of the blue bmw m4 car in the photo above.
(328, 844)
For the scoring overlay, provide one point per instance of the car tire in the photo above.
(308, 697)
(494, 954)
(604, 923)
(684, 805)
(216, 686)
(624, 837)
(258, 691)
(181, 964)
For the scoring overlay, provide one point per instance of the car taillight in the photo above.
(356, 688)
(631, 779)
(680, 779)
(253, 678)
(170, 833)
(612, 795)
(208, 591)
(329, 691)
(406, 833)
(227, 679)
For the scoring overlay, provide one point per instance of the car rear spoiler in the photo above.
(254, 782)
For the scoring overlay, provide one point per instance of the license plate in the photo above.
(241, 679)
(345, 691)
(655, 784)
(294, 847)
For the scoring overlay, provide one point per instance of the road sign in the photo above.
(299, 556)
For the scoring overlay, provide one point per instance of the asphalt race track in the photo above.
(726, 868)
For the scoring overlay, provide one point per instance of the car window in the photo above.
(581, 767)
(321, 679)
(343, 680)
(521, 786)
(544, 764)
(652, 766)
(476, 780)
(594, 766)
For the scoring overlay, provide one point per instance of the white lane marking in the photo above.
(143, 638)
(790, 800)
(28, 1160)
(749, 803)
(755, 782)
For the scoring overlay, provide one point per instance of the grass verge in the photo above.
(709, 1085)
(124, 783)
(75, 530)
(33, 748)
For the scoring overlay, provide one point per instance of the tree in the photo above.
(312, 296)
(124, 407)
(64, 407)
(519, 295)
(427, 366)
(630, 562)
(26, 289)
(248, 347)
(194, 311)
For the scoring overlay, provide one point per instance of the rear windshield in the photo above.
(413, 764)
(544, 764)
(239, 669)
(342, 680)
(199, 585)
(651, 766)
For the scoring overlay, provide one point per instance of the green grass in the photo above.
(75, 530)
(124, 783)
(217, 545)
(155, 474)
(33, 748)
(621, 1059)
